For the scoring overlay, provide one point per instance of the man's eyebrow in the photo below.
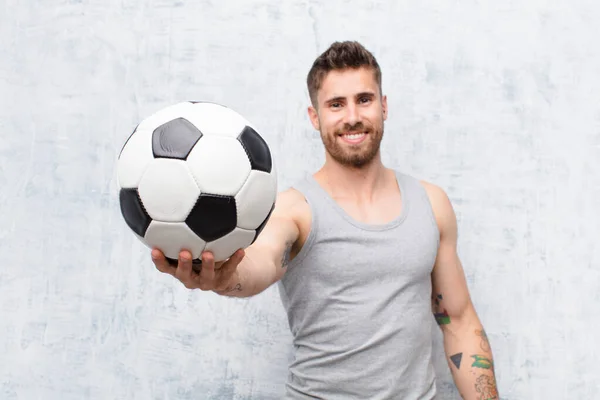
(368, 94)
(334, 99)
(341, 98)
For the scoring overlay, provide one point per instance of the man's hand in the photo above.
(220, 277)
(251, 270)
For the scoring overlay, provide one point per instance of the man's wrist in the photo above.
(233, 288)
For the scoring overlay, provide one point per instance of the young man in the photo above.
(365, 256)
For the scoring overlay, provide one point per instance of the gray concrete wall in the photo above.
(496, 102)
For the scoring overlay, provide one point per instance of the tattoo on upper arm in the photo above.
(486, 388)
(440, 314)
(485, 343)
(285, 258)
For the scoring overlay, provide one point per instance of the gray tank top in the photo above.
(358, 300)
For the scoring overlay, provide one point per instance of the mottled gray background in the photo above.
(498, 102)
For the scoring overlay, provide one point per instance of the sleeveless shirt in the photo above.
(358, 301)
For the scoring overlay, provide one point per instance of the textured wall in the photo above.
(497, 102)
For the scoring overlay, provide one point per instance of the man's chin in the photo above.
(355, 160)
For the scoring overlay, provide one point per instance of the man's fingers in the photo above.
(207, 274)
(197, 266)
(184, 267)
(209, 277)
(161, 263)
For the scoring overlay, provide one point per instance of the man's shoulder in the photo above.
(440, 203)
(434, 191)
(437, 196)
(290, 197)
(291, 203)
(293, 198)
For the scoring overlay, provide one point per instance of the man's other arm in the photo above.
(468, 351)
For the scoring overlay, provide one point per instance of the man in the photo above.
(365, 257)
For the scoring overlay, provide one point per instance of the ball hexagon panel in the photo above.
(175, 139)
(215, 119)
(256, 148)
(219, 165)
(164, 115)
(168, 190)
(212, 217)
(133, 211)
(173, 237)
(225, 246)
(255, 199)
(135, 157)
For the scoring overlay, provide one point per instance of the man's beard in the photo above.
(353, 157)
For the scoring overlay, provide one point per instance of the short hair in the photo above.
(340, 56)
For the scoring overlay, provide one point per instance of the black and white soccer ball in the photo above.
(196, 176)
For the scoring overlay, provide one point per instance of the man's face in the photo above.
(350, 116)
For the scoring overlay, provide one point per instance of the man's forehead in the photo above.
(349, 82)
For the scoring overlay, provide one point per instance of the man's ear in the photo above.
(384, 107)
(313, 114)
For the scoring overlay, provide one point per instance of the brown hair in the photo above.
(340, 55)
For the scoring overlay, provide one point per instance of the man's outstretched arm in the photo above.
(249, 271)
(468, 351)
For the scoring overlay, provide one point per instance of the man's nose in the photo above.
(352, 115)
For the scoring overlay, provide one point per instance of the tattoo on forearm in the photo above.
(485, 343)
(441, 316)
(482, 362)
(456, 360)
(486, 388)
(237, 287)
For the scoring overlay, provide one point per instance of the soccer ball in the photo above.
(196, 176)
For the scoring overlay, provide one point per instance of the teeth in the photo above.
(354, 136)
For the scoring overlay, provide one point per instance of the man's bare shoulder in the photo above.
(292, 204)
(440, 203)
(434, 192)
(292, 214)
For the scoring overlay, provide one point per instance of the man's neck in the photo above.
(358, 184)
